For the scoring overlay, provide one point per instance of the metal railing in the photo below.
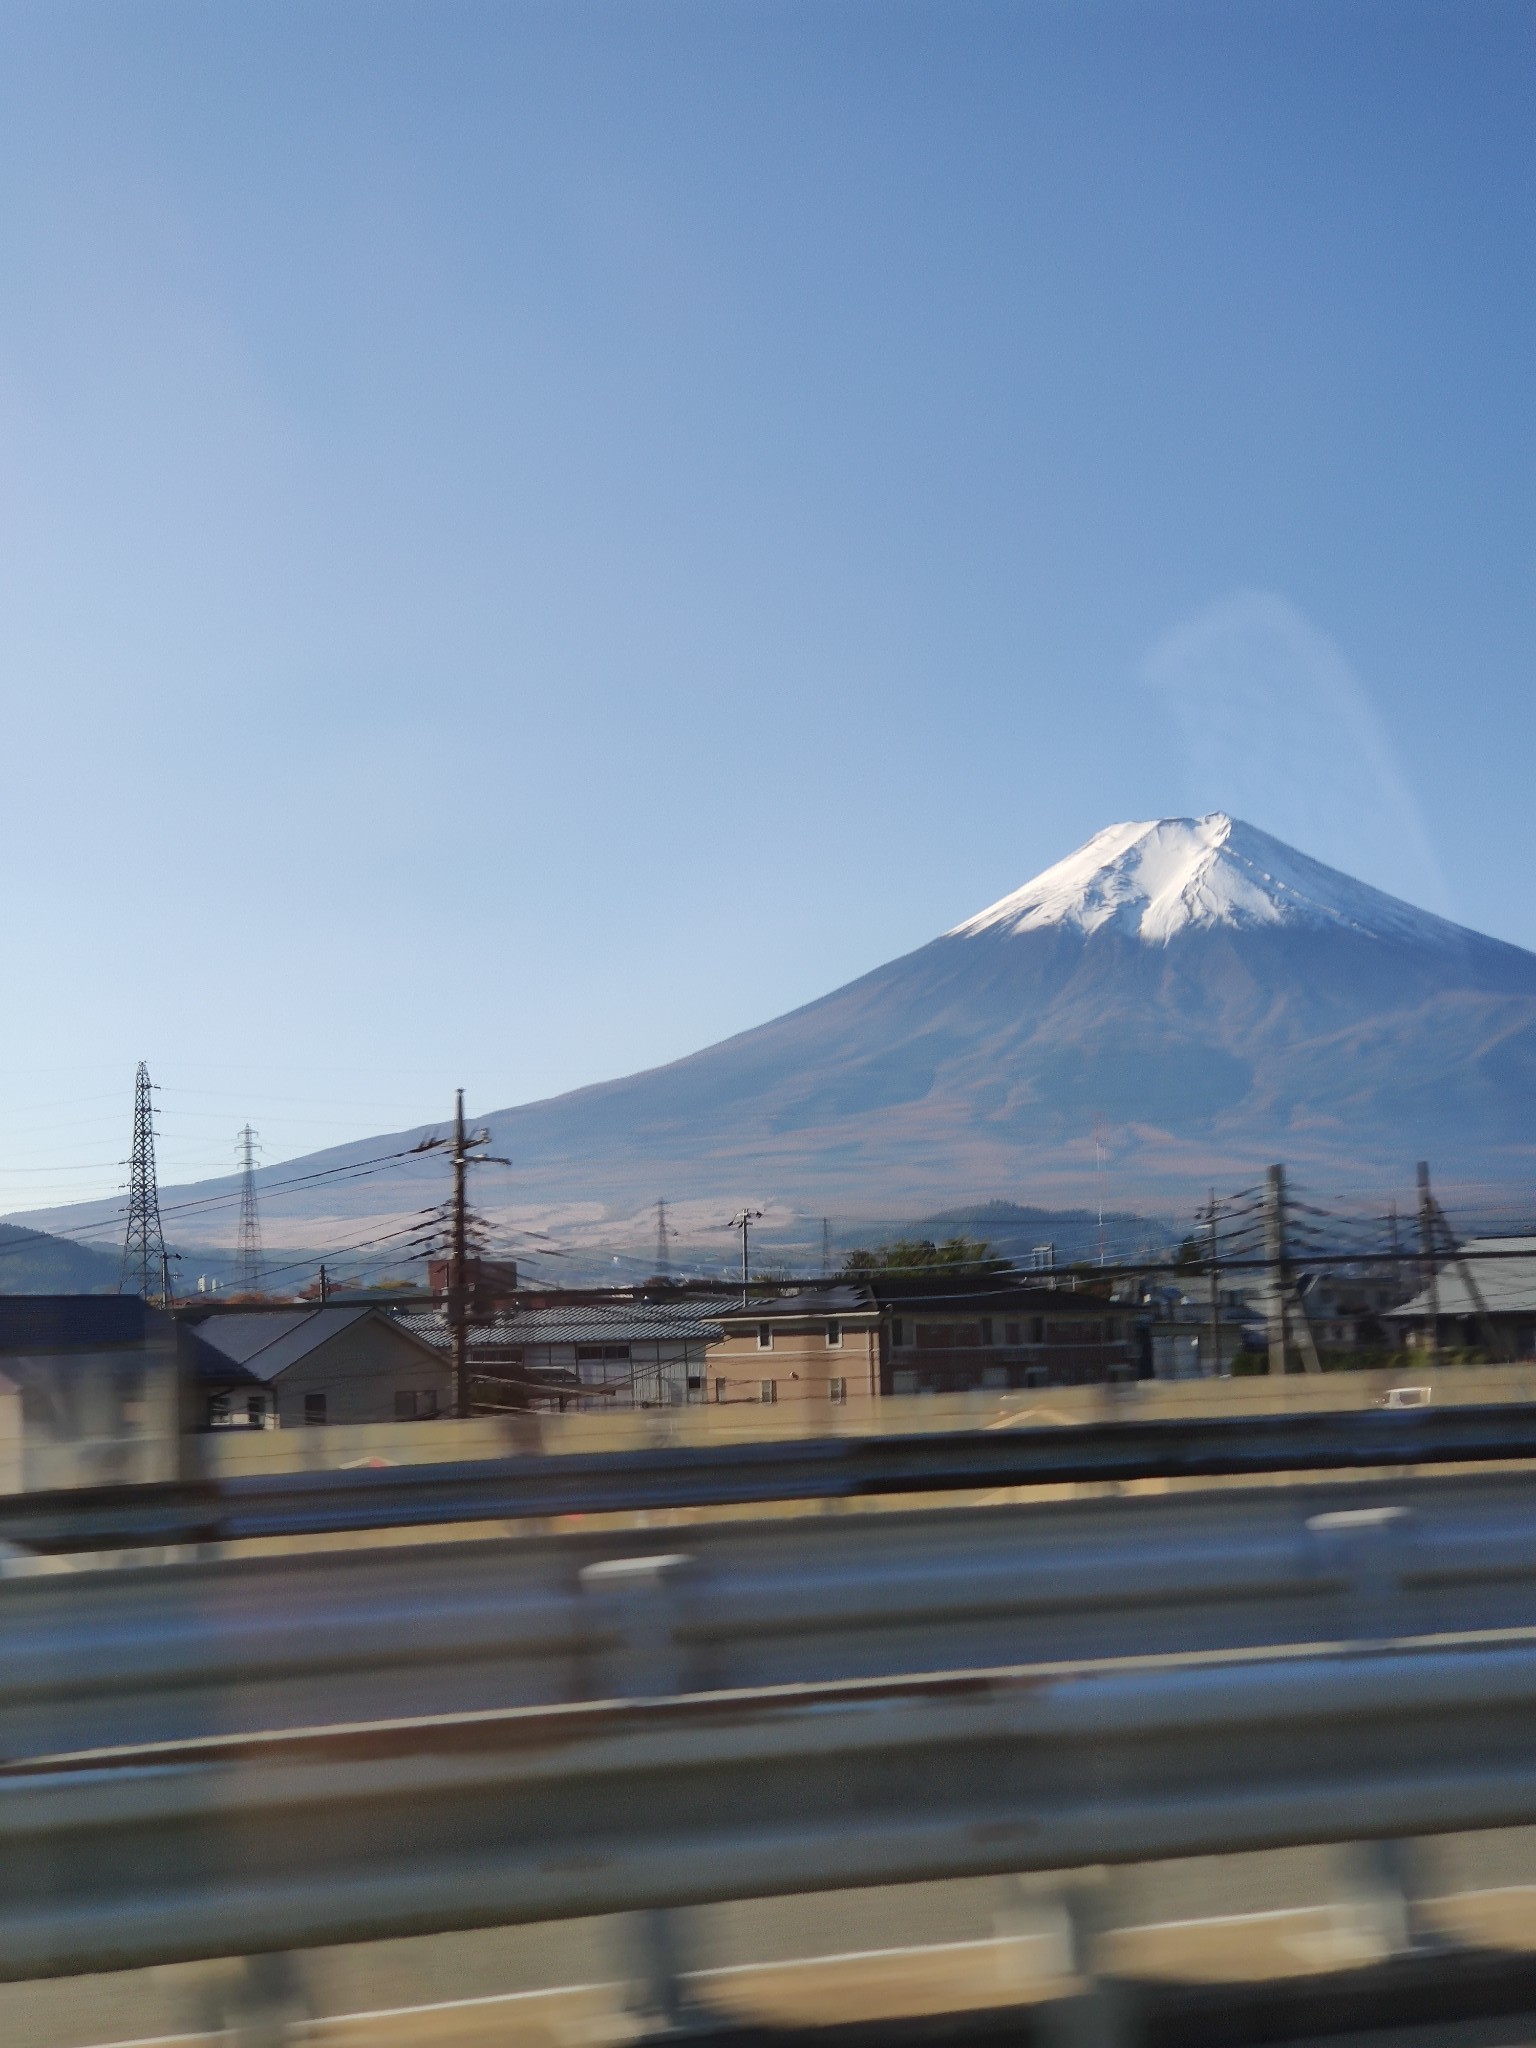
(138, 1856)
(742, 1474)
(261, 1641)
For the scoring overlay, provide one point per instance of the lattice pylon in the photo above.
(145, 1269)
(248, 1252)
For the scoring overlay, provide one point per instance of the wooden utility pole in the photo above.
(1215, 1288)
(458, 1262)
(1427, 1254)
(464, 1149)
(1274, 1258)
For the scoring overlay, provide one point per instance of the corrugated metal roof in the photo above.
(1507, 1285)
(583, 1323)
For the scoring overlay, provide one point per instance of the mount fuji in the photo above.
(1190, 993)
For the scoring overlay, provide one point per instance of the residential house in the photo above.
(1485, 1300)
(584, 1351)
(96, 1389)
(285, 1367)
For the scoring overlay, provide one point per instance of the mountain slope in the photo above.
(1212, 998)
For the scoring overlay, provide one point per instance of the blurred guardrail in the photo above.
(263, 1641)
(745, 1474)
(142, 1856)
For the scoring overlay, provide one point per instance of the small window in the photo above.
(986, 1329)
(765, 1336)
(768, 1390)
(1011, 1333)
(898, 1331)
(834, 1336)
(405, 1406)
(314, 1407)
(837, 1390)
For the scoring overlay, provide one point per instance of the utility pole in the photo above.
(1274, 1258)
(248, 1260)
(1215, 1285)
(1427, 1253)
(325, 1285)
(1098, 1162)
(826, 1247)
(458, 1262)
(464, 1149)
(743, 1221)
(145, 1262)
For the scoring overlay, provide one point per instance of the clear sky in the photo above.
(533, 537)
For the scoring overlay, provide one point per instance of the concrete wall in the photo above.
(498, 1437)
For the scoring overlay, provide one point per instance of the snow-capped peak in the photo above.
(1160, 877)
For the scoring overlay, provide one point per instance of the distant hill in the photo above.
(32, 1263)
(1016, 1231)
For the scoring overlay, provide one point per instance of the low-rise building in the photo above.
(592, 1353)
(1182, 1341)
(951, 1335)
(1485, 1301)
(286, 1367)
(820, 1345)
(96, 1390)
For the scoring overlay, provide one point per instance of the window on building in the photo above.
(986, 1329)
(837, 1390)
(768, 1390)
(835, 1336)
(898, 1331)
(765, 1336)
(314, 1407)
(255, 1410)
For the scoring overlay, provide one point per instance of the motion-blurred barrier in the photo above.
(819, 1468)
(142, 1856)
(265, 1642)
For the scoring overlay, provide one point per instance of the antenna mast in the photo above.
(248, 1254)
(663, 1232)
(146, 1268)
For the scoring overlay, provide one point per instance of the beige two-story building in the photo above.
(821, 1348)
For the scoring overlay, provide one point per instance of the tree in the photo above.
(957, 1254)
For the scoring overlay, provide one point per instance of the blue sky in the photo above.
(532, 537)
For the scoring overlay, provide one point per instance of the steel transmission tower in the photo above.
(146, 1269)
(663, 1233)
(248, 1255)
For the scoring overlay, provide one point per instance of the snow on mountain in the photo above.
(1160, 877)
